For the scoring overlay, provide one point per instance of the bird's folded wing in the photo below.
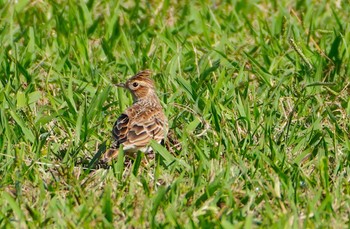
(135, 133)
(120, 130)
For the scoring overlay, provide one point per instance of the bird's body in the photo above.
(143, 121)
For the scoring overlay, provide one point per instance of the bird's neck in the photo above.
(151, 97)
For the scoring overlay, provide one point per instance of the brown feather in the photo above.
(143, 121)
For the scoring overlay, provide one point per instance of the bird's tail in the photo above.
(109, 155)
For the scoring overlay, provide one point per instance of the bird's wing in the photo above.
(120, 130)
(135, 128)
(146, 125)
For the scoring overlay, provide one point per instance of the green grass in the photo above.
(263, 120)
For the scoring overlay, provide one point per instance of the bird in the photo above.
(142, 121)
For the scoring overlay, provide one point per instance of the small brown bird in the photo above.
(143, 121)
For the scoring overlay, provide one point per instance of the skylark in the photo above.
(143, 121)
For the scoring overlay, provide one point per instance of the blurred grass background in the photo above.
(256, 92)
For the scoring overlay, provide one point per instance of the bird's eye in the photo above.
(135, 84)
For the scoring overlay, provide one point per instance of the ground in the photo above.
(256, 93)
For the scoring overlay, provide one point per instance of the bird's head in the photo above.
(140, 85)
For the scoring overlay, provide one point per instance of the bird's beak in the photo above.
(120, 85)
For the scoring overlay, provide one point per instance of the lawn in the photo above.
(256, 93)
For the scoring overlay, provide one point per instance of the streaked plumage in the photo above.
(143, 121)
